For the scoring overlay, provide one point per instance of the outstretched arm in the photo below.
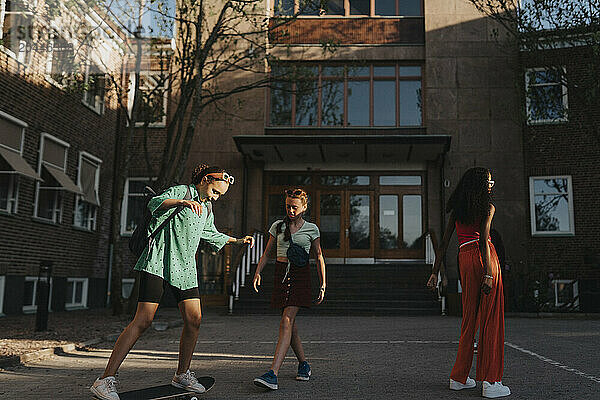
(245, 240)
(440, 253)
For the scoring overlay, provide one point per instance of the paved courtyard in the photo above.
(351, 357)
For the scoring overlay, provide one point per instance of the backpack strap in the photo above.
(188, 196)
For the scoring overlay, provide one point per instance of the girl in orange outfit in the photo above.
(471, 213)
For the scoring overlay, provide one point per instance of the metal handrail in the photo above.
(250, 256)
(430, 248)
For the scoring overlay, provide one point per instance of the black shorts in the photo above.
(152, 288)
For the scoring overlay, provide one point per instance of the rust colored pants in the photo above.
(485, 311)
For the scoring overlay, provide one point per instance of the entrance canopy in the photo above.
(362, 149)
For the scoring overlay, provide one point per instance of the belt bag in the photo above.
(296, 255)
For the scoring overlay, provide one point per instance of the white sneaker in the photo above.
(493, 390)
(455, 385)
(105, 389)
(188, 381)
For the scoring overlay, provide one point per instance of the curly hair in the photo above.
(471, 200)
(296, 193)
(201, 170)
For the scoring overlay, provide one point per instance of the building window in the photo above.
(283, 7)
(405, 8)
(60, 63)
(9, 190)
(94, 89)
(77, 292)
(551, 204)
(52, 168)
(16, 21)
(546, 95)
(343, 180)
(2, 286)
(345, 95)
(12, 164)
(133, 204)
(566, 293)
(11, 150)
(86, 205)
(154, 98)
(127, 287)
(30, 293)
(400, 180)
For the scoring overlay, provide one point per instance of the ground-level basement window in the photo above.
(77, 292)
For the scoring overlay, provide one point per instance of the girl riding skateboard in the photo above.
(169, 261)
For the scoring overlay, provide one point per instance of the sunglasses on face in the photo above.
(223, 176)
(293, 192)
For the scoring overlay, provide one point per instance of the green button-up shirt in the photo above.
(172, 255)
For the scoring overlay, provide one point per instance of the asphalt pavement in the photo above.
(351, 357)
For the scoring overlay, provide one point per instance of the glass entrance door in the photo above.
(400, 225)
(330, 216)
(345, 222)
(359, 224)
(380, 216)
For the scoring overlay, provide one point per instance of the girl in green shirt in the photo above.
(170, 261)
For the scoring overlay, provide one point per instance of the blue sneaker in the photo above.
(303, 371)
(268, 380)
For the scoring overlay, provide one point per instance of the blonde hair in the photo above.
(296, 193)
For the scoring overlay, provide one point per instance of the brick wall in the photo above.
(28, 96)
(569, 148)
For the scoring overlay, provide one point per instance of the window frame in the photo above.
(30, 309)
(84, 294)
(26, 57)
(79, 198)
(46, 136)
(14, 181)
(127, 281)
(50, 57)
(166, 87)
(346, 78)
(564, 98)
(532, 194)
(346, 14)
(2, 291)
(12, 203)
(99, 102)
(575, 284)
(124, 205)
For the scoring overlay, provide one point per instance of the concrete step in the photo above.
(378, 289)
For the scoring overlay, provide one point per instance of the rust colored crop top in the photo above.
(467, 233)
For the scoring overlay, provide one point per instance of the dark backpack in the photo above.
(140, 239)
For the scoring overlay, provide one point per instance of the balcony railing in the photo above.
(406, 31)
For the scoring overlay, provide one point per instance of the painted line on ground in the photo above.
(552, 362)
(330, 342)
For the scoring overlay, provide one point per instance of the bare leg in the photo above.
(297, 344)
(285, 336)
(141, 321)
(192, 315)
